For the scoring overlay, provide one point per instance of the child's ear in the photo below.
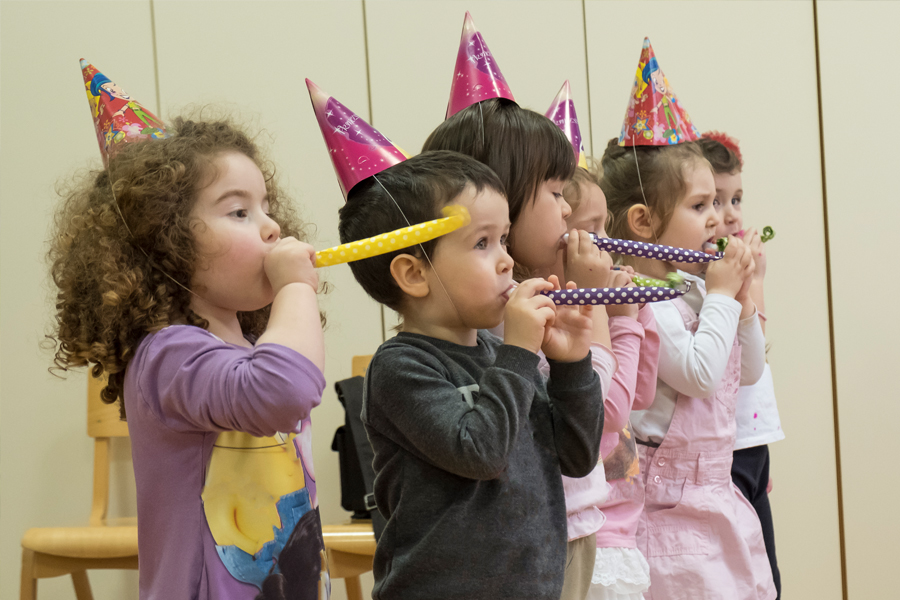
(640, 221)
(409, 273)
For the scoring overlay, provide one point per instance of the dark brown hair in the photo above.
(722, 158)
(524, 148)
(420, 186)
(118, 281)
(650, 175)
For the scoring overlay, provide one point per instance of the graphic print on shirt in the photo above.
(467, 391)
(622, 462)
(262, 509)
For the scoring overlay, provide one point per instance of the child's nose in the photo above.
(566, 209)
(506, 263)
(270, 231)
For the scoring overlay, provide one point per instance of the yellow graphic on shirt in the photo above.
(247, 476)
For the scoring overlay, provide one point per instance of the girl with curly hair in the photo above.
(182, 276)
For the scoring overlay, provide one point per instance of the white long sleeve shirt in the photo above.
(694, 364)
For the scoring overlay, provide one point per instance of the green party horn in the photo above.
(672, 280)
(767, 234)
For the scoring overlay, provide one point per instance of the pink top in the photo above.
(636, 346)
(585, 495)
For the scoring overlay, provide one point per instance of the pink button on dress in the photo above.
(699, 534)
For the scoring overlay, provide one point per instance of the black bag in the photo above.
(355, 456)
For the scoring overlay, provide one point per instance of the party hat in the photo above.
(477, 76)
(654, 117)
(118, 118)
(357, 149)
(562, 112)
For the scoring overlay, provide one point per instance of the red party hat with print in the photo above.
(562, 112)
(477, 76)
(357, 149)
(654, 117)
(118, 118)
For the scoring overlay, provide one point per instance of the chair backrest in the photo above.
(103, 422)
(360, 364)
(103, 419)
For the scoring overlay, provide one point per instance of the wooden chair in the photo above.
(351, 546)
(104, 543)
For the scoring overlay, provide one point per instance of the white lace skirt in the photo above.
(619, 574)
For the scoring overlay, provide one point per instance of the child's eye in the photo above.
(699, 207)
(504, 241)
(481, 244)
(736, 200)
(240, 213)
(716, 203)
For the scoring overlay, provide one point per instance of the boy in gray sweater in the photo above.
(469, 439)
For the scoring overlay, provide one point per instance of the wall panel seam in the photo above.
(371, 122)
(587, 72)
(155, 59)
(834, 392)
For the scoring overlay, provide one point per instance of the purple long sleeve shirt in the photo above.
(183, 387)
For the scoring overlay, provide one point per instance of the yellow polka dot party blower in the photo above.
(359, 151)
(454, 217)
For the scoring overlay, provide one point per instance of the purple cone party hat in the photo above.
(562, 112)
(654, 117)
(118, 118)
(357, 149)
(477, 76)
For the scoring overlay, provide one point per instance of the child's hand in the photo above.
(291, 261)
(729, 275)
(568, 337)
(757, 250)
(586, 265)
(527, 314)
(620, 279)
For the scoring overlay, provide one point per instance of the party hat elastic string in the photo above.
(425, 254)
(141, 248)
(637, 168)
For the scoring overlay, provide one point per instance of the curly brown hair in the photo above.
(125, 271)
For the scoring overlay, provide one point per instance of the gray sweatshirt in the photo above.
(469, 446)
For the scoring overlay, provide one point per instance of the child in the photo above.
(620, 570)
(757, 418)
(177, 278)
(469, 440)
(534, 160)
(699, 534)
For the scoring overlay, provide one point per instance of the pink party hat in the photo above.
(118, 118)
(654, 117)
(562, 112)
(357, 149)
(477, 76)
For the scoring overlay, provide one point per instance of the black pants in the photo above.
(750, 473)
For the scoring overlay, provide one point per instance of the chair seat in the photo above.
(353, 538)
(99, 541)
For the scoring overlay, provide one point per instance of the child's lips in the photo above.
(509, 290)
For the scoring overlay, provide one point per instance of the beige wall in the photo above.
(747, 68)
(858, 42)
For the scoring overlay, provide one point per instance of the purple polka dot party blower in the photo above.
(648, 250)
(625, 295)
(655, 251)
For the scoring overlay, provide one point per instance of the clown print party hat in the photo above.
(562, 112)
(357, 149)
(477, 76)
(654, 117)
(118, 118)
